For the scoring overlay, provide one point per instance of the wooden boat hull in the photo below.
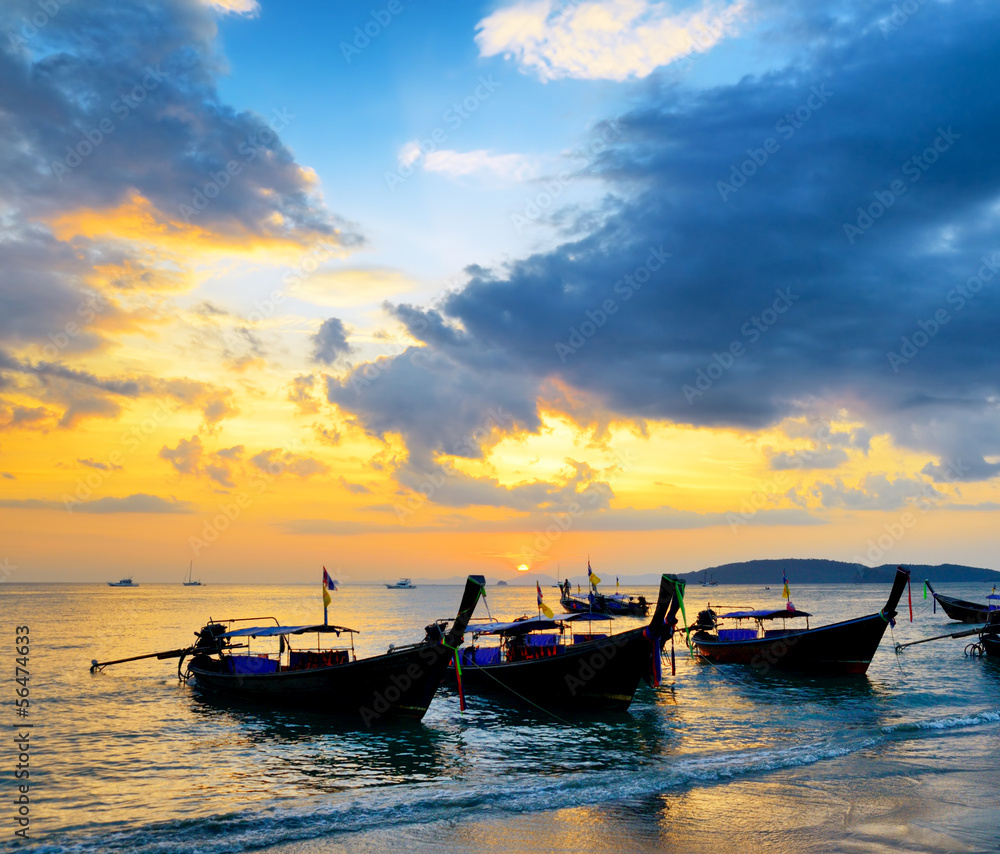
(991, 644)
(841, 648)
(604, 605)
(844, 648)
(599, 675)
(572, 605)
(960, 609)
(399, 684)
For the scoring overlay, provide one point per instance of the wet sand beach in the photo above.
(897, 798)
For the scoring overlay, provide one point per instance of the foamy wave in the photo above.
(945, 723)
(400, 806)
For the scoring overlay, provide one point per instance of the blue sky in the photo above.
(356, 110)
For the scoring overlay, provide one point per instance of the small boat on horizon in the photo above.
(190, 582)
(125, 582)
(961, 609)
(402, 584)
(705, 582)
(839, 648)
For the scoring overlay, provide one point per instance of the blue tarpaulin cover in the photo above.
(275, 631)
(252, 664)
(764, 614)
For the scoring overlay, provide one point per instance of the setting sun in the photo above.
(523, 568)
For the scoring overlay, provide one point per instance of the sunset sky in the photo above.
(423, 288)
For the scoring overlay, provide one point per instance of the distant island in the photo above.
(818, 571)
(501, 583)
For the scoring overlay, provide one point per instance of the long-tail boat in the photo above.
(839, 648)
(399, 683)
(543, 662)
(615, 604)
(961, 609)
(989, 640)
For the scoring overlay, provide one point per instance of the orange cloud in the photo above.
(139, 222)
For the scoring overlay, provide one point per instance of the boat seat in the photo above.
(311, 659)
(777, 633)
(737, 634)
(251, 664)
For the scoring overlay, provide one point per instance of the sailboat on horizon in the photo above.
(191, 582)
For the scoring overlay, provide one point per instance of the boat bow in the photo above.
(475, 585)
(667, 604)
(901, 580)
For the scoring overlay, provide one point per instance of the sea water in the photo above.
(132, 759)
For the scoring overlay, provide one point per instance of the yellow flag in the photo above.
(328, 585)
(545, 609)
(592, 576)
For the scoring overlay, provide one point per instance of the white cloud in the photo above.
(515, 167)
(605, 40)
(409, 153)
(238, 7)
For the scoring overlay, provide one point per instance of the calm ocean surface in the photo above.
(132, 760)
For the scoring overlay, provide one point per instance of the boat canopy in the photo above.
(765, 614)
(275, 631)
(534, 624)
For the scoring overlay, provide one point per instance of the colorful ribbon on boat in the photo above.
(925, 588)
(457, 658)
(680, 585)
(909, 597)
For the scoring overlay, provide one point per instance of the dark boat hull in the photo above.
(398, 684)
(604, 605)
(991, 644)
(572, 605)
(960, 609)
(601, 674)
(837, 649)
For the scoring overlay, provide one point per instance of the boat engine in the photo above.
(706, 621)
(209, 638)
(434, 633)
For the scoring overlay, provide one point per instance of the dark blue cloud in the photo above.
(104, 101)
(330, 342)
(824, 235)
(108, 99)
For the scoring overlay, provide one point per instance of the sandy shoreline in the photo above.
(892, 799)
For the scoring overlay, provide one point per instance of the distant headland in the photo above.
(818, 571)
